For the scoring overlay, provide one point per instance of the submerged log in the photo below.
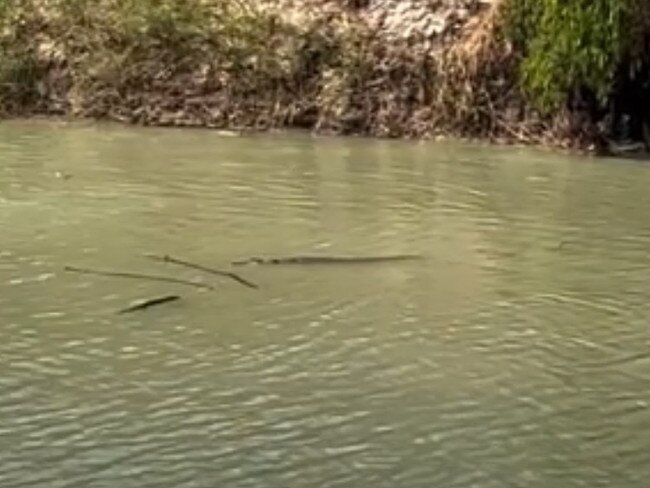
(326, 259)
(149, 303)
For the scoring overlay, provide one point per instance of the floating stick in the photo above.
(187, 264)
(119, 274)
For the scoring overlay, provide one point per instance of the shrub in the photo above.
(573, 44)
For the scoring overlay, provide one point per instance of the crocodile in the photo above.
(326, 259)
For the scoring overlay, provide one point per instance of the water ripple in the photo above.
(513, 355)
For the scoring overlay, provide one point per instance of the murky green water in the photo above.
(517, 354)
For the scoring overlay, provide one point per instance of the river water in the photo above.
(514, 354)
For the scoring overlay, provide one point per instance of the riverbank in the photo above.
(376, 67)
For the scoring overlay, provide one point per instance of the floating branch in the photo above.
(150, 303)
(227, 274)
(326, 259)
(139, 276)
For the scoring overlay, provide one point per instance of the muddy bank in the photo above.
(384, 68)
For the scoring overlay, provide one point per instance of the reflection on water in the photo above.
(516, 354)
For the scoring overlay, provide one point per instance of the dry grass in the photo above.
(237, 66)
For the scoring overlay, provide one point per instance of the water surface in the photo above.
(515, 354)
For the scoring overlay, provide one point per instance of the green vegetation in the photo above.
(574, 44)
(231, 63)
(19, 68)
